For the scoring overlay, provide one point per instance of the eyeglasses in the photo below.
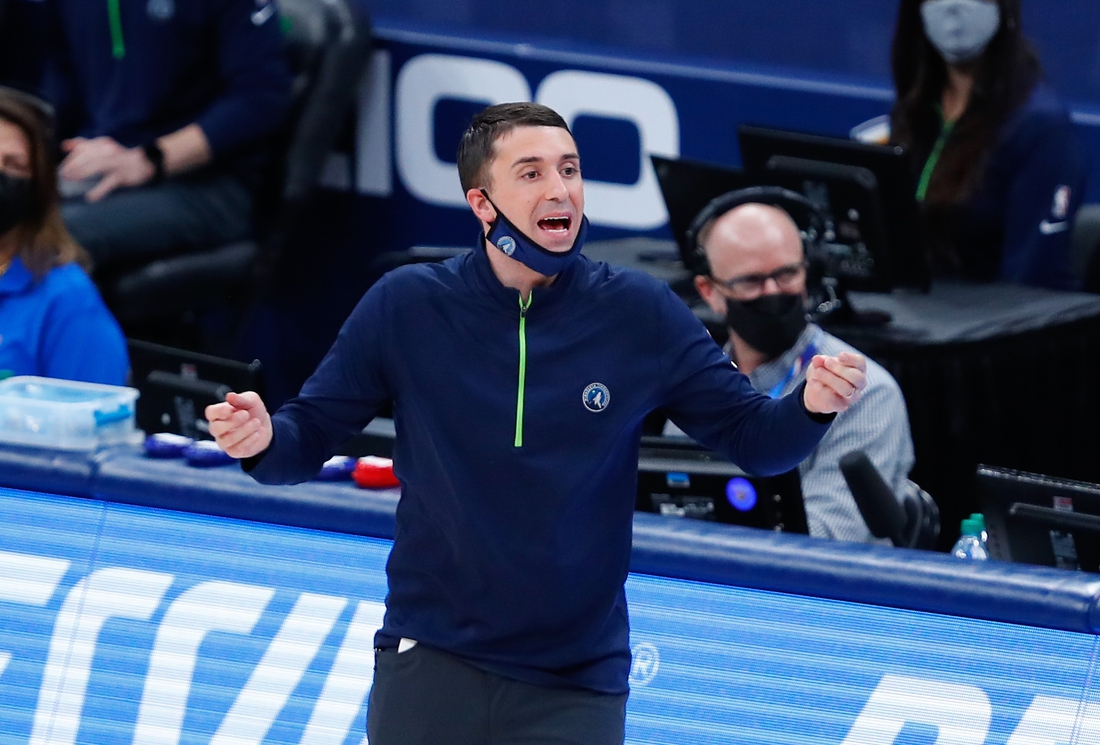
(748, 286)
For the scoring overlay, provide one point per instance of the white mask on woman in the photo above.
(960, 29)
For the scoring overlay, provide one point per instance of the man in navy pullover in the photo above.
(166, 105)
(520, 375)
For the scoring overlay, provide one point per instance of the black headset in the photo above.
(806, 215)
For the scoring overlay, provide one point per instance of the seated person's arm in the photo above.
(253, 71)
(255, 83)
(183, 150)
(1039, 210)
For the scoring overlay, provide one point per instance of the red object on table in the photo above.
(372, 472)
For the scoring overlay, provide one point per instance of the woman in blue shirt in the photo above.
(53, 322)
(1001, 171)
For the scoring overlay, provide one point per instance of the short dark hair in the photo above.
(475, 150)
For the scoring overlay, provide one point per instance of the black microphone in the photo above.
(876, 501)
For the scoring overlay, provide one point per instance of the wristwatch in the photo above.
(155, 156)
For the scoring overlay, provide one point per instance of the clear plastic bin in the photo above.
(66, 414)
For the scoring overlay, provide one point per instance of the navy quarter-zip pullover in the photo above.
(517, 450)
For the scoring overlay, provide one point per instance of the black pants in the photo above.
(426, 697)
(188, 213)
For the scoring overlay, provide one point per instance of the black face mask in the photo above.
(15, 201)
(770, 323)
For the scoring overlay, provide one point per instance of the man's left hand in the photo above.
(834, 383)
(117, 166)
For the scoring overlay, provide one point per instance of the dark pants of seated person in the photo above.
(178, 215)
(426, 697)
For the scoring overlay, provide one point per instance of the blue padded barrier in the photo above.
(764, 655)
(683, 549)
(225, 491)
(879, 575)
(43, 469)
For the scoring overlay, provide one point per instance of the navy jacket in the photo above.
(169, 63)
(514, 526)
(1017, 225)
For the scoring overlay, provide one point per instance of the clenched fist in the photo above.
(834, 383)
(241, 425)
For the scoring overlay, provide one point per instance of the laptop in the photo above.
(1036, 519)
(687, 186)
(679, 478)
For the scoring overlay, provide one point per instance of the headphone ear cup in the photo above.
(696, 259)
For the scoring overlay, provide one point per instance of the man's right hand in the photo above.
(241, 425)
(115, 165)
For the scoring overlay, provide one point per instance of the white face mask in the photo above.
(960, 29)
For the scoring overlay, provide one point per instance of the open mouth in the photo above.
(555, 224)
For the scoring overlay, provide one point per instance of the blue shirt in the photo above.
(514, 526)
(58, 327)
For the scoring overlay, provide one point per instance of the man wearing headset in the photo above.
(751, 269)
(520, 375)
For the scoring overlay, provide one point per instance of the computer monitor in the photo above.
(1035, 519)
(893, 235)
(677, 477)
(177, 385)
(848, 254)
(687, 186)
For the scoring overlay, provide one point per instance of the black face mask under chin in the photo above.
(15, 201)
(770, 324)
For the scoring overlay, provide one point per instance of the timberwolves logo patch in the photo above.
(507, 244)
(596, 397)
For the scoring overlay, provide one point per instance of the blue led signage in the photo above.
(125, 625)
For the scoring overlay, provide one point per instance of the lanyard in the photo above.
(933, 159)
(798, 366)
(114, 18)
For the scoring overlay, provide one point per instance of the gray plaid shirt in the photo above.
(877, 424)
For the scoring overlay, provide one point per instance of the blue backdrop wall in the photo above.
(634, 78)
(842, 38)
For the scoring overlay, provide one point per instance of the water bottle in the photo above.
(969, 545)
(979, 520)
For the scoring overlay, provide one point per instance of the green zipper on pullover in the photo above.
(522, 365)
(114, 18)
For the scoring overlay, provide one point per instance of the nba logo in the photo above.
(1060, 209)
